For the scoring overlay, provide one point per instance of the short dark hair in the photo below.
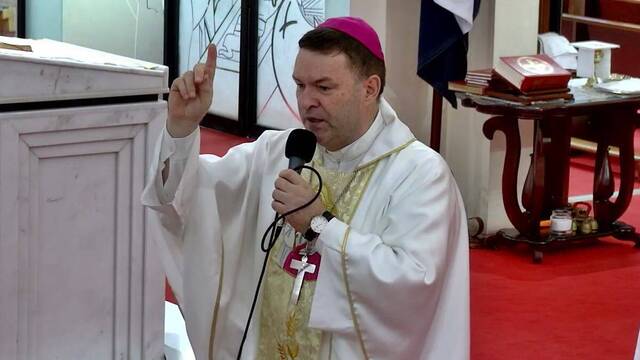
(326, 41)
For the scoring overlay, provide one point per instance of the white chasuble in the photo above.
(393, 281)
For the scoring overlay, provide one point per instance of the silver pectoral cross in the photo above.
(303, 267)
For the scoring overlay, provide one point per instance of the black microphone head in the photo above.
(301, 144)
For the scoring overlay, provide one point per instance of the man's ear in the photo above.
(372, 87)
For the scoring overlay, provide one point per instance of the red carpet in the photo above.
(582, 303)
(217, 142)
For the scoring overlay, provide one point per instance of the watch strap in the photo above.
(311, 235)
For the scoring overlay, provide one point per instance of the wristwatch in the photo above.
(318, 224)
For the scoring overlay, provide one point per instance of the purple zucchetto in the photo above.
(359, 30)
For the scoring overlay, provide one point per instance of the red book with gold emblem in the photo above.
(533, 72)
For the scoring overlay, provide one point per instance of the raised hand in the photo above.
(191, 96)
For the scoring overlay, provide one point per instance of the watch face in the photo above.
(318, 223)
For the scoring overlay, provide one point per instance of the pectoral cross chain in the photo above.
(303, 267)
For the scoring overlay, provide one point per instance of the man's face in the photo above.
(331, 98)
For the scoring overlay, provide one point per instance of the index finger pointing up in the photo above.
(210, 65)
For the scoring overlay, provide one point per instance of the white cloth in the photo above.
(405, 255)
(462, 9)
(637, 355)
(559, 48)
(176, 341)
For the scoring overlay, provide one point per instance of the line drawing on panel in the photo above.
(218, 22)
(281, 23)
(290, 20)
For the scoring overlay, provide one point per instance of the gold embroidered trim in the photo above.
(283, 328)
(212, 332)
(345, 205)
(343, 252)
(289, 348)
(369, 175)
(391, 152)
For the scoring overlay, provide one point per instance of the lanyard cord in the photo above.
(273, 231)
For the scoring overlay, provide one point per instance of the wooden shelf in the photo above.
(618, 25)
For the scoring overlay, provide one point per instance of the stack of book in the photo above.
(521, 79)
(480, 77)
(476, 82)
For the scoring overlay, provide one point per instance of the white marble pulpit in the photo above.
(79, 278)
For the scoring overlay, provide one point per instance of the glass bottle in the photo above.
(561, 222)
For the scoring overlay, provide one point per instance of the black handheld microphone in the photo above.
(301, 144)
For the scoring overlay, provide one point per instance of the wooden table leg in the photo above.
(550, 160)
(558, 163)
(524, 221)
(547, 182)
(618, 131)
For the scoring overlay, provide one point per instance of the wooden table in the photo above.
(546, 185)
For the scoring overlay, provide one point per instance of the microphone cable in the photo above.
(274, 230)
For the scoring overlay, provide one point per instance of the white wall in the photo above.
(464, 146)
(123, 27)
(503, 27)
(44, 19)
(408, 93)
(398, 28)
(336, 7)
